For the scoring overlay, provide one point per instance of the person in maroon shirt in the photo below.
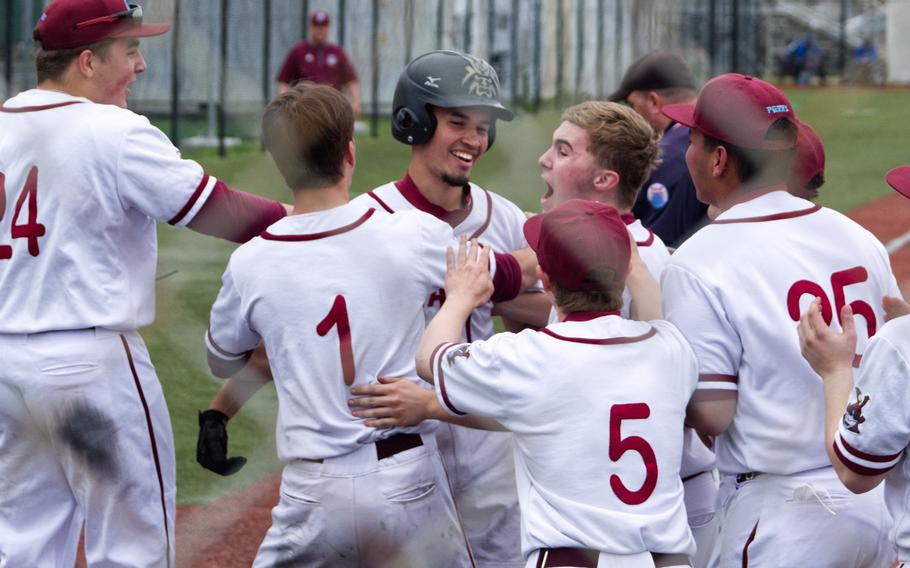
(315, 59)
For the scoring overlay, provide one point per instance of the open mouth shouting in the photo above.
(465, 157)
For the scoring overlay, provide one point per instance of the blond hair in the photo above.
(621, 140)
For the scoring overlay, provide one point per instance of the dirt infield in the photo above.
(227, 532)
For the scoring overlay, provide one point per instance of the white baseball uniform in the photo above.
(479, 463)
(736, 289)
(617, 491)
(356, 316)
(697, 469)
(875, 431)
(84, 429)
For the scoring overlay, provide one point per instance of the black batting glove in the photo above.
(211, 448)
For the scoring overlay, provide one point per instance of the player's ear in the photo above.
(544, 279)
(720, 161)
(606, 180)
(350, 154)
(85, 62)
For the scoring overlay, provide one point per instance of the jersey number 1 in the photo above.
(338, 316)
(30, 230)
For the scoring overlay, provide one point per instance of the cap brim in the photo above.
(531, 230)
(619, 95)
(142, 30)
(899, 179)
(681, 113)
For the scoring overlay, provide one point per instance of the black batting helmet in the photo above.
(447, 79)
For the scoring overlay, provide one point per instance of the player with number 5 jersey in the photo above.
(736, 289)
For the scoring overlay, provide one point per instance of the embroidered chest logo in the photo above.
(460, 351)
(853, 416)
(481, 78)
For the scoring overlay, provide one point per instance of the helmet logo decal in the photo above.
(482, 77)
(432, 82)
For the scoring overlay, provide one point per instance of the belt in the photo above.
(748, 476)
(396, 444)
(587, 558)
(694, 475)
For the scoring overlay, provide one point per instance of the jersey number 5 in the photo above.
(32, 229)
(338, 316)
(620, 445)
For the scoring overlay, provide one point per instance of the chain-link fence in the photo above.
(225, 54)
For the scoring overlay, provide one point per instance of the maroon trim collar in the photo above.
(14, 110)
(772, 217)
(607, 341)
(628, 219)
(588, 316)
(411, 192)
(315, 236)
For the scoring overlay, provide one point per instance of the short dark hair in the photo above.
(306, 130)
(750, 162)
(52, 64)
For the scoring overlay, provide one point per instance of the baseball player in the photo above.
(603, 151)
(736, 290)
(867, 427)
(667, 204)
(350, 495)
(808, 172)
(84, 429)
(586, 500)
(446, 105)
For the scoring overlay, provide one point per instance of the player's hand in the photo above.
(826, 350)
(211, 448)
(393, 402)
(894, 307)
(468, 273)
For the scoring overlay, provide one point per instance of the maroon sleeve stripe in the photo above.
(859, 469)
(647, 242)
(223, 352)
(440, 378)
(864, 456)
(192, 200)
(507, 280)
(716, 378)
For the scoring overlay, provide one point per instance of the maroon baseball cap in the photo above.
(810, 157)
(899, 179)
(582, 245)
(320, 18)
(66, 24)
(737, 109)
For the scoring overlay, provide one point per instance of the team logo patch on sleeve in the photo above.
(658, 196)
(853, 416)
(455, 353)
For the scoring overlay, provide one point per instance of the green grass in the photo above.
(863, 132)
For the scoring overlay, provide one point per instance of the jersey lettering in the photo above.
(620, 445)
(338, 316)
(839, 280)
(437, 297)
(31, 229)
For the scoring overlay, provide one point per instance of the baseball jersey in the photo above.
(326, 64)
(486, 216)
(350, 318)
(81, 186)
(873, 436)
(736, 290)
(667, 203)
(557, 390)
(696, 456)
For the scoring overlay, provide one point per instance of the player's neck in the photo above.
(437, 192)
(322, 199)
(64, 86)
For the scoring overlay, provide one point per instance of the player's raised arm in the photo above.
(468, 285)
(645, 291)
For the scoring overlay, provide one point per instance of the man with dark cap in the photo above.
(320, 61)
(667, 204)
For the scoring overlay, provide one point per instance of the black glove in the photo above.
(211, 449)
